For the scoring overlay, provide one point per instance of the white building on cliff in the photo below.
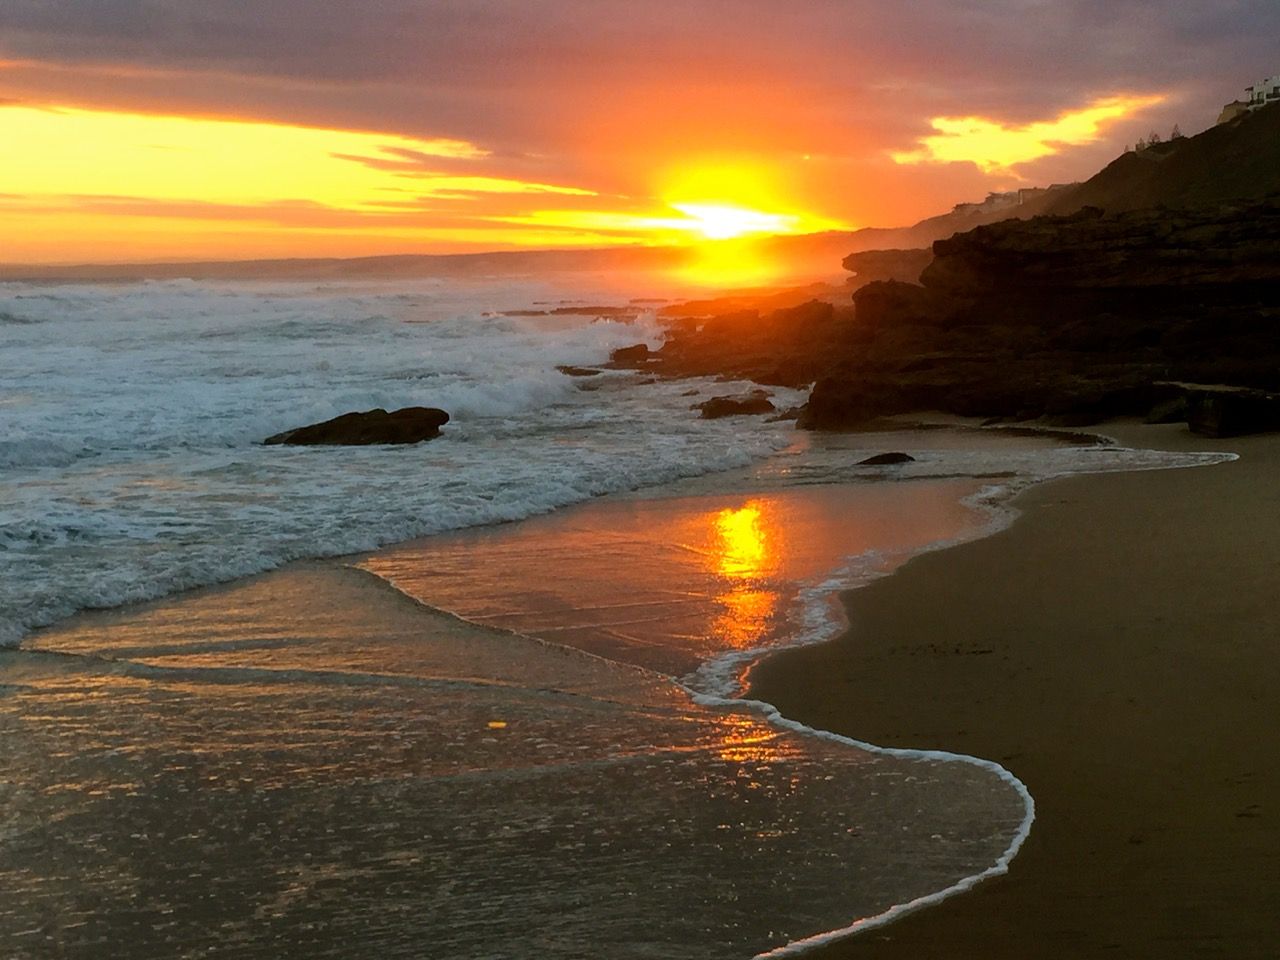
(1255, 98)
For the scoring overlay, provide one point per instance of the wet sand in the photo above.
(308, 763)
(1118, 649)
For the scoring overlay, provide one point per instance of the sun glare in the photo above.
(725, 200)
(721, 222)
(191, 186)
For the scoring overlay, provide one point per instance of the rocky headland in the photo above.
(1073, 318)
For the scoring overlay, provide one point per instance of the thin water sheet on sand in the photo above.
(678, 583)
(308, 764)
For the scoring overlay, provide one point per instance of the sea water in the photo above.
(131, 417)
(277, 768)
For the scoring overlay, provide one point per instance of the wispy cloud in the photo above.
(996, 147)
(408, 160)
(423, 168)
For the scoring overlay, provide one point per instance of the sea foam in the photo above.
(133, 415)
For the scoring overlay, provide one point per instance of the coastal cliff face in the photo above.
(1227, 163)
(1161, 271)
(1146, 249)
(1074, 318)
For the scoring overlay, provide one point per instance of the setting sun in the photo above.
(721, 222)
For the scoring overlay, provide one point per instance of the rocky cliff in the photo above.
(1075, 318)
(1071, 318)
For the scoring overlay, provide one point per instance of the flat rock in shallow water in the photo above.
(885, 459)
(571, 371)
(407, 425)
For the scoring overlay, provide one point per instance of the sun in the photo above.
(731, 200)
(719, 221)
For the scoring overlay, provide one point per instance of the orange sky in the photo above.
(172, 129)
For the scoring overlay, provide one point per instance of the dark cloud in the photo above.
(505, 44)
(591, 91)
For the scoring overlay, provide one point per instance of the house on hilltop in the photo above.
(1256, 97)
(1008, 199)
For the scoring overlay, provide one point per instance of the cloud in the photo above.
(995, 147)
(68, 150)
(290, 214)
(426, 151)
(423, 168)
(614, 97)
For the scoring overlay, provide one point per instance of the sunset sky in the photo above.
(140, 129)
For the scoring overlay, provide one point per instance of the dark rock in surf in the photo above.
(886, 459)
(753, 404)
(571, 371)
(408, 425)
(639, 353)
(1214, 411)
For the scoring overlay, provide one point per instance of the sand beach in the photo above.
(1116, 649)
(309, 759)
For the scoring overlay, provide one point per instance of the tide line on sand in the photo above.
(1001, 866)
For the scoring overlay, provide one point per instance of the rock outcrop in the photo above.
(752, 404)
(870, 265)
(887, 460)
(787, 347)
(1221, 411)
(1073, 319)
(628, 356)
(1140, 251)
(407, 425)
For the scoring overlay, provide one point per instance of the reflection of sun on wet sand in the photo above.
(668, 583)
(744, 547)
(308, 762)
(744, 558)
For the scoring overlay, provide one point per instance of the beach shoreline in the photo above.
(1112, 648)
(797, 717)
(315, 681)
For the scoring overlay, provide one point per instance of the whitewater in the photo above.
(131, 417)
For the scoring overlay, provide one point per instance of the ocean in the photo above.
(539, 748)
(132, 416)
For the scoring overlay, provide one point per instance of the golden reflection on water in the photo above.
(747, 548)
(744, 617)
(743, 739)
(743, 541)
